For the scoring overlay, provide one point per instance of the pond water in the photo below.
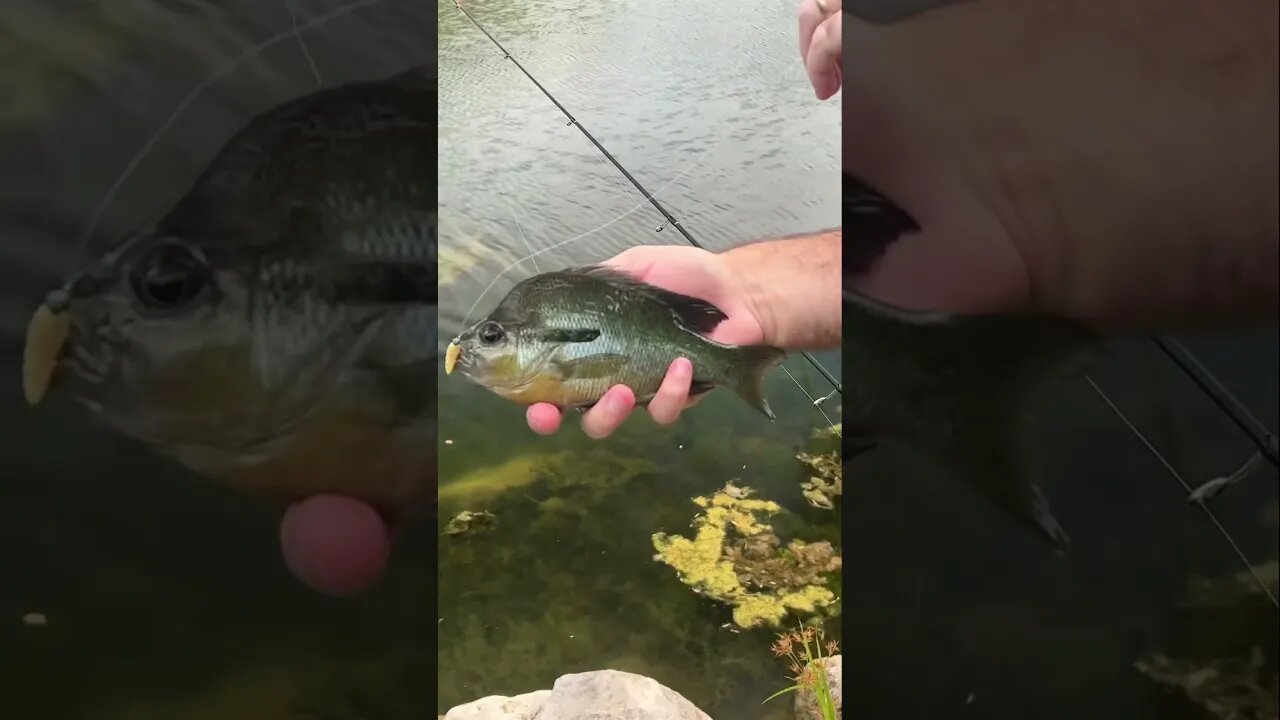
(957, 611)
(712, 113)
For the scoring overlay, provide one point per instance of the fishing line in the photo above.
(302, 43)
(670, 220)
(816, 403)
(527, 245)
(1187, 486)
(573, 239)
(218, 73)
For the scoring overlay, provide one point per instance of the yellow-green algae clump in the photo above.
(826, 480)
(596, 469)
(1230, 689)
(734, 557)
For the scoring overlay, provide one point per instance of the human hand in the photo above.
(686, 270)
(820, 36)
(1025, 141)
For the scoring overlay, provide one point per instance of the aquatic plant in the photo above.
(1229, 689)
(1241, 588)
(827, 481)
(807, 652)
(735, 558)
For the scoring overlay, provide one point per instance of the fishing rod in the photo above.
(1250, 425)
(671, 220)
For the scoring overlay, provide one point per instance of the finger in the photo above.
(635, 261)
(337, 545)
(823, 59)
(811, 15)
(543, 418)
(673, 394)
(600, 421)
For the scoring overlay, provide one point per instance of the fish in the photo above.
(565, 337)
(275, 329)
(959, 390)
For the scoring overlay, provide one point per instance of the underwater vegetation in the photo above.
(826, 484)
(1237, 589)
(574, 532)
(1227, 689)
(736, 558)
(1229, 686)
(808, 654)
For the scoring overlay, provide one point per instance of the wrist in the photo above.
(791, 286)
(1132, 159)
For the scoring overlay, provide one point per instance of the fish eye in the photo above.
(168, 277)
(491, 333)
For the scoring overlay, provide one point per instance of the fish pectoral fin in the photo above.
(571, 335)
(698, 387)
(595, 366)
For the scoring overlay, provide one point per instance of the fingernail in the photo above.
(682, 367)
(618, 401)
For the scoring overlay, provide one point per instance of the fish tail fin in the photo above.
(753, 363)
(960, 388)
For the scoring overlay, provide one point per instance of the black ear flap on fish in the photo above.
(559, 335)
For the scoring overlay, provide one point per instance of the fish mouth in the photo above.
(46, 342)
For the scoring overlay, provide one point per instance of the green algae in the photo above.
(596, 469)
(490, 480)
(734, 557)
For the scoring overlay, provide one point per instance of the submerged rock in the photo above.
(597, 695)
(734, 557)
(497, 707)
(471, 523)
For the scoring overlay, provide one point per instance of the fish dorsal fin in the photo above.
(693, 313)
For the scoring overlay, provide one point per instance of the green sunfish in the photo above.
(276, 329)
(566, 337)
